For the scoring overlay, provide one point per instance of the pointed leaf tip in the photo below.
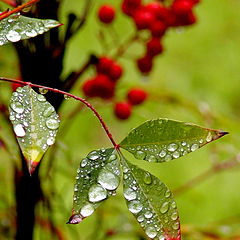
(75, 219)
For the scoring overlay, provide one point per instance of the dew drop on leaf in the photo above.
(50, 141)
(108, 180)
(97, 193)
(209, 137)
(52, 124)
(41, 98)
(17, 107)
(13, 36)
(140, 155)
(151, 232)
(164, 208)
(66, 97)
(194, 147)
(87, 210)
(19, 130)
(147, 178)
(48, 111)
(172, 147)
(135, 206)
(130, 194)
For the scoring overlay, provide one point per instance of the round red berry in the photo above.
(145, 64)
(158, 28)
(143, 18)
(88, 88)
(106, 14)
(154, 47)
(104, 65)
(122, 110)
(136, 96)
(182, 7)
(115, 72)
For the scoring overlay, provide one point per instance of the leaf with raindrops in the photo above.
(16, 27)
(162, 140)
(151, 203)
(98, 177)
(35, 124)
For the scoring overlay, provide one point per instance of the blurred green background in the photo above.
(196, 80)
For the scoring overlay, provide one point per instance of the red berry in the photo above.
(88, 88)
(122, 110)
(136, 96)
(106, 14)
(154, 47)
(133, 3)
(143, 19)
(103, 86)
(163, 14)
(145, 64)
(104, 65)
(115, 72)
(182, 7)
(154, 7)
(158, 29)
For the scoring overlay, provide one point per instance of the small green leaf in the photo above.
(162, 140)
(35, 124)
(98, 177)
(16, 27)
(151, 203)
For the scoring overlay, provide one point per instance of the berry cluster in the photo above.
(154, 17)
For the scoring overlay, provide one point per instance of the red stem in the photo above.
(18, 9)
(72, 96)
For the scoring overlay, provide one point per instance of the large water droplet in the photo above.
(13, 36)
(194, 147)
(151, 232)
(172, 147)
(93, 155)
(174, 216)
(52, 123)
(176, 226)
(48, 111)
(84, 162)
(43, 91)
(19, 130)
(130, 194)
(209, 137)
(97, 193)
(176, 154)
(17, 107)
(108, 180)
(164, 208)
(140, 218)
(31, 33)
(135, 206)
(162, 153)
(147, 178)
(140, 155)
(87, 210)
(41, 98)
(148, 214)
(50, 141)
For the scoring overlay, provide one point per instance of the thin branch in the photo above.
(87, 104)
(216, 168)
(18, 9)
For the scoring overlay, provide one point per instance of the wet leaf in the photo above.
(162, 140)
(151, 203)
(98, 177)
(35, 124)
(16, 27)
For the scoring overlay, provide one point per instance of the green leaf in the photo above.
(35, 124)
(16, 27)
(151, 203)
(97, 179)
(162, 140)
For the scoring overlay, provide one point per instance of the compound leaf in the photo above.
(151, 203)
(35, 124)
(98, 177)
(162, 140)
(16, 27)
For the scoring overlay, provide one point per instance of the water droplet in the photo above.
(184, 144)
(52, 123)
(174, 205)
(43, 91)
(161, 238)
(147, 178)
(209, 137)
(172, 147)
(41, 98)
(135, 207)
(168, 158)
(176, 154)
(148, 214)
(31, 33)
(17, 107)
(162, 153)
(13, 36)
(140, 155)
(12, 117)
(151, 158)
(164, 208)
(151, 232)
(140, 218)
(50, 141)
(66, 97)
(201, 141)
(108, 180)
(194, 147)
(84, 162)
(113, 157)
(176, 226)
(167, 193)
(130, 194)
(87, 210)
(93, 155)
(48, 111)
(174, 216)
(19, 130)
(97, 193)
